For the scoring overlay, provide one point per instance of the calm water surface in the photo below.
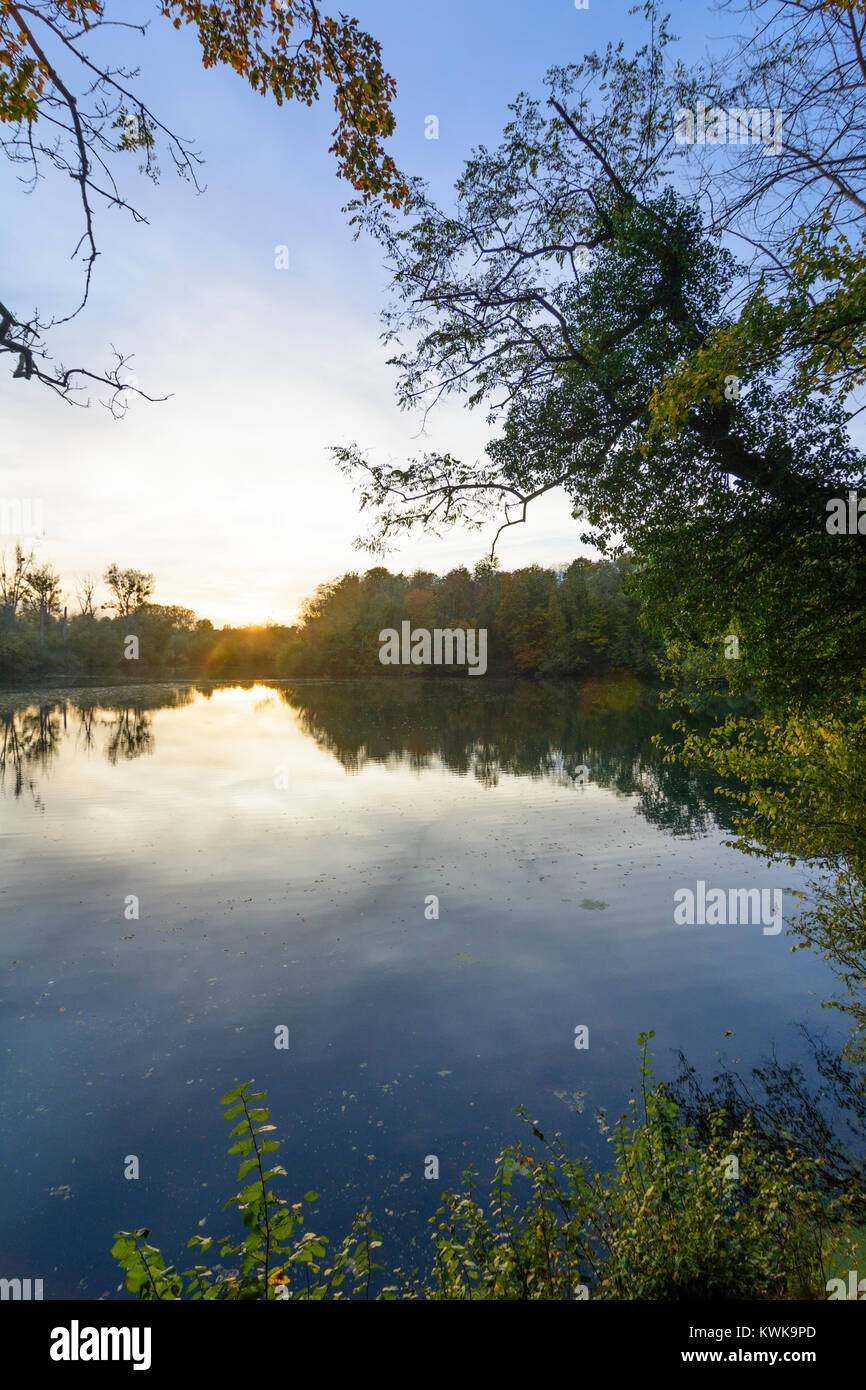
(282, 841)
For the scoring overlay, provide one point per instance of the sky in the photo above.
(227, 491)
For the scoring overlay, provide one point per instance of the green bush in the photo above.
(671, 1219)
(666, 1222)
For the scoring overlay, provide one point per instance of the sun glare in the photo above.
(242, 616)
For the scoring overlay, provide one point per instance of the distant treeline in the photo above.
(577, 621)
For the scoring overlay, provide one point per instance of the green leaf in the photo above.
(282, 1225)
(233, 1095)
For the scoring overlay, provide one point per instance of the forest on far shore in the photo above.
(577, 620)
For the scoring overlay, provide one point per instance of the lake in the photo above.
(431, 884)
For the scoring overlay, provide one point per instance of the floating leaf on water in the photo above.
(573, 1099)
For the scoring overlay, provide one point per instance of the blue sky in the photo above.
(227, 491)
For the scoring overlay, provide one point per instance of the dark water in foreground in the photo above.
(282, 841)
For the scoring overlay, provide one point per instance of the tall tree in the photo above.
(130, 589)
(43, 594)
(592, 302)
(13, 580)
(569, 280)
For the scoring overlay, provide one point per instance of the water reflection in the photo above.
(541, 730)
(813, 1108)
(599, 731)
(130, 735)
(30, 741)
(117, 722)
(305, 906)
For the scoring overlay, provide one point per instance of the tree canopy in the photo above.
(66, 111)
(670, 333)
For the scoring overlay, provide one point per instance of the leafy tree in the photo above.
(130, 588)
(797, 217)
(523, 616)
(586, 299)
(14, 580)
(43, 594)
(65, 108)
